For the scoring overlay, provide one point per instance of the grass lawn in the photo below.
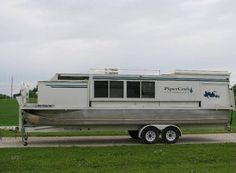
(8, 112)
(217, 158)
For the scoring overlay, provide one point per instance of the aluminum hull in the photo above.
(77, 117)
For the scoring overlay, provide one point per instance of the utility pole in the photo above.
(11, 87)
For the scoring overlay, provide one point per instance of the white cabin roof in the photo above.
(177, 75)
(201, 72)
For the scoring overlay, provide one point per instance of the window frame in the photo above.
(154, 89)
(123, 93)
(109, 89)
(127, 90)
(94, 92)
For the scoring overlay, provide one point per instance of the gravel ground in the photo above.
(12, 142)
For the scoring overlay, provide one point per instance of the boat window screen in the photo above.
(148, 89)
(133, 89)
(101, 89)
(116, 89)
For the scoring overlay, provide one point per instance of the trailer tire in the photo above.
(150, 135)
(170, 135)
(133, 134)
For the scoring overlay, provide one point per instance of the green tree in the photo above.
(4, 96)
(234, 89)
(33, 92)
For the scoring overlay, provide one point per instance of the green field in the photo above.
(8, 112)
(215, 158)
(9, 116)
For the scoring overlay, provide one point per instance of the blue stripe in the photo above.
(67, 86)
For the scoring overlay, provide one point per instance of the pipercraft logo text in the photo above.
(178, 89)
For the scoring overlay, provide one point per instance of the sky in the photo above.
(39, 38)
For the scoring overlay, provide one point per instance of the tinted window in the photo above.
(116, 89)
(148, 89)
(101, 89)
(133, 89)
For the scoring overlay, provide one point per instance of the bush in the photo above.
(33, 92)
(4, 96)
(234, 88)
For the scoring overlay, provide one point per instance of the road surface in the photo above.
(12, 142)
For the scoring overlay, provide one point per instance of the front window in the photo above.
(101, 89)
(133, 89)
(116, 89)
(148, 89)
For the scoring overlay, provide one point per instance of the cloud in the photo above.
(40, 38)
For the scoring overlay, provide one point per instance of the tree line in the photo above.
(32, 94)
(234, 88)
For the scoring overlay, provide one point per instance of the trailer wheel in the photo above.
(150, 135)
(133, 134)
(170, 135)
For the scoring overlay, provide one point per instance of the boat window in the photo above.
(116, 89)
(101, 89)
(133, 89)
(148, 89)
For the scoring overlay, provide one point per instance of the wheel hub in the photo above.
(171, 135)
(150, 136)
